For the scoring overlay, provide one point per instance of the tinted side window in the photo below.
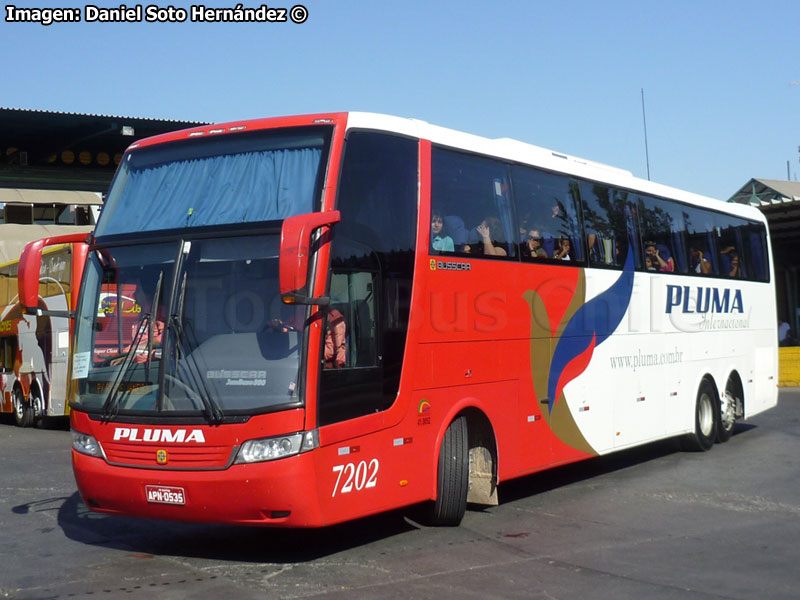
(661, 227)
(472, 194)
(729, 246)
(609, 220)
(702, 256)
(372, 266)
(754, 251)
(547, 206)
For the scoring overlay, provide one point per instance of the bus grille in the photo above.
(176, 458)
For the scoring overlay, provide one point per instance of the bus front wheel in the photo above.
(706, 416)
(453, 475)
(23, 411)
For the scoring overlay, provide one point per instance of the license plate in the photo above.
(159, 494)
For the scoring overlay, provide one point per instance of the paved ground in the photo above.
(649, 523)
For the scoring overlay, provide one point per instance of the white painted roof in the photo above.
(522, 152)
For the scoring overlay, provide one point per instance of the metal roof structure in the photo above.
(68, 151)
(778, 200)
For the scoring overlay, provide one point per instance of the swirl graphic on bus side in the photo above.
(561, 348)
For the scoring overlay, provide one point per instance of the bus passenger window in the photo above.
(662, 234)
(610, 225)
(700, 230)
(754, 251)
(473, 195)
(730, 245)
(548, 207)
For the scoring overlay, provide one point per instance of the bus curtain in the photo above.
(232, 188)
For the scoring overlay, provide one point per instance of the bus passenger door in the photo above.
(351, 375)
(371, 266)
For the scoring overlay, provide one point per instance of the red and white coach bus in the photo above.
(346, 313)
(34, 350)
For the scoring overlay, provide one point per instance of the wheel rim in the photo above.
(727, 416)
(18, 408)
(705, 415)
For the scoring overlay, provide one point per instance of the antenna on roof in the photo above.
(646, 152)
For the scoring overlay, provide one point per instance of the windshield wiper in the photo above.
(212, 409)
(152, 326)
(111, 405)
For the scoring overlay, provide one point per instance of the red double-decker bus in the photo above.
(347, 313)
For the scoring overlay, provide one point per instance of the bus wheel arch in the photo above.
(482, 459)
(23, 409)
(731, 406)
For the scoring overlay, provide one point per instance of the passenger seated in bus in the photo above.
(454, 225)
(726, 260)
(492, 239)
(531, 247)
(648, 264)
(564, 249)
(736, 270)
(699, 264)
(663, 263)
(440, 241)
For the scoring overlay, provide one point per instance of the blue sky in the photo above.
(565, 75)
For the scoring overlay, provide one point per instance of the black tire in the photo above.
(453, 476)
(706, 417)
(23, 411)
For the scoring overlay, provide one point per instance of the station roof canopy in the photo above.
(778, 200)
(68, 151)
(18, 196)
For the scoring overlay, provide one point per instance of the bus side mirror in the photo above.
(295, 249)
(30, 265)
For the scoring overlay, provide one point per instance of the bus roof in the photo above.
(518, 151)
(504, 148)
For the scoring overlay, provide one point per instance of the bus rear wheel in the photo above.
(453, 476)
(727, 411)
(23, 411)
(706, 417)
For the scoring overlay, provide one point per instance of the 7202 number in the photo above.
(355, 476)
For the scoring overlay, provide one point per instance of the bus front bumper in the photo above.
(279, 493)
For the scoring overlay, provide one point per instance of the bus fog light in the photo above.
(86, 444)
(269, 448)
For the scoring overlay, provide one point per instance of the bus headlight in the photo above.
(86, 444)
(276, 447)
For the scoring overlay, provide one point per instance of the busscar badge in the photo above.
(162, 457)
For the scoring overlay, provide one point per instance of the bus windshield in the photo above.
(186, 327)
(237, 178)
